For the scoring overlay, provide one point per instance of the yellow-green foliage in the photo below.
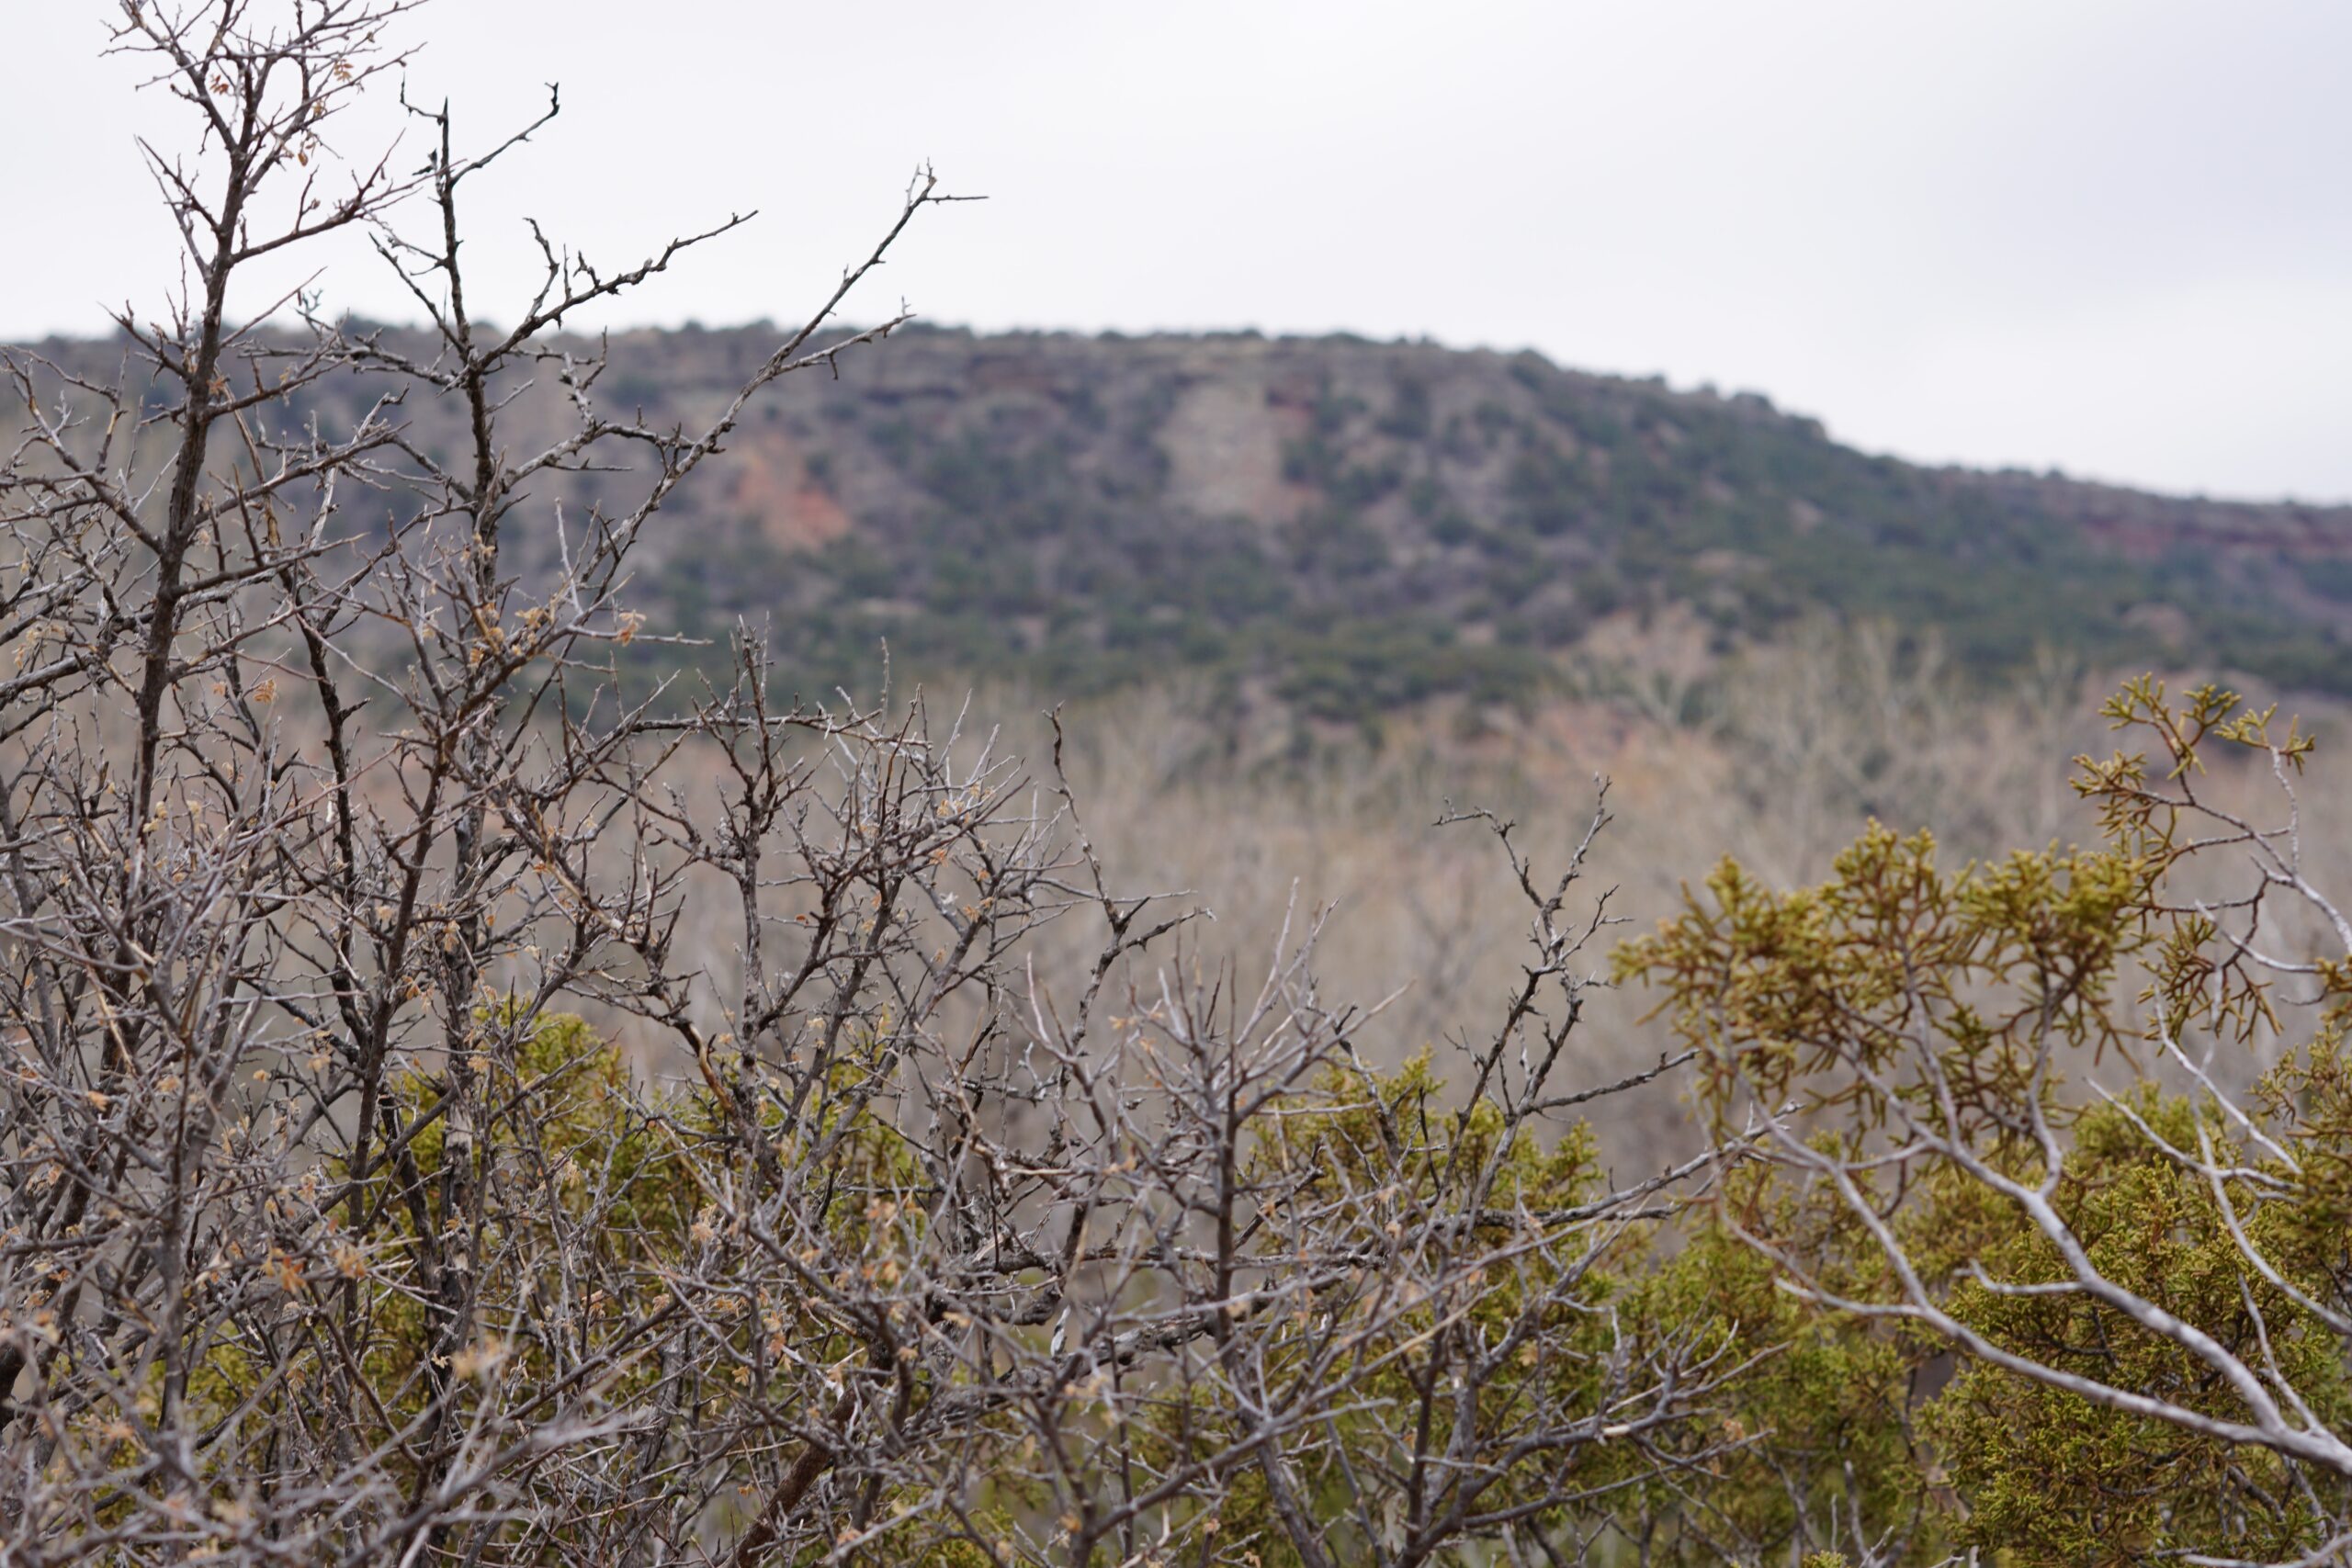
(1786, 989)
(2055, 1479)
(1976, 1002)
(617, 1218)
(1390, 1157)
(1822, 1414)
(568, 1125)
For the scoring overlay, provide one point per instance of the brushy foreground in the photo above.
(990, 1217)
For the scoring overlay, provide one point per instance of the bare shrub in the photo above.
(332, 1234)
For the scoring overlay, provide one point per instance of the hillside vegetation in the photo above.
(1349, 526)
(1362, 524)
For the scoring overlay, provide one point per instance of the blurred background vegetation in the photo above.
(1292, 595)
(1345, 528)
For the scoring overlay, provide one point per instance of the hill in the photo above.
(1352, 524)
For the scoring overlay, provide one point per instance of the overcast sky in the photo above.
(2110, 238)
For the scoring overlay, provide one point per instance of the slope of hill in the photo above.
(1353, 524)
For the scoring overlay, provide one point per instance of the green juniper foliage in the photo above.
(1956, 1084)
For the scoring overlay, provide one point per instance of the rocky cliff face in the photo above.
(1355, 524)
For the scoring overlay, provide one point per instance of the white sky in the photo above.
(2110, 237)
